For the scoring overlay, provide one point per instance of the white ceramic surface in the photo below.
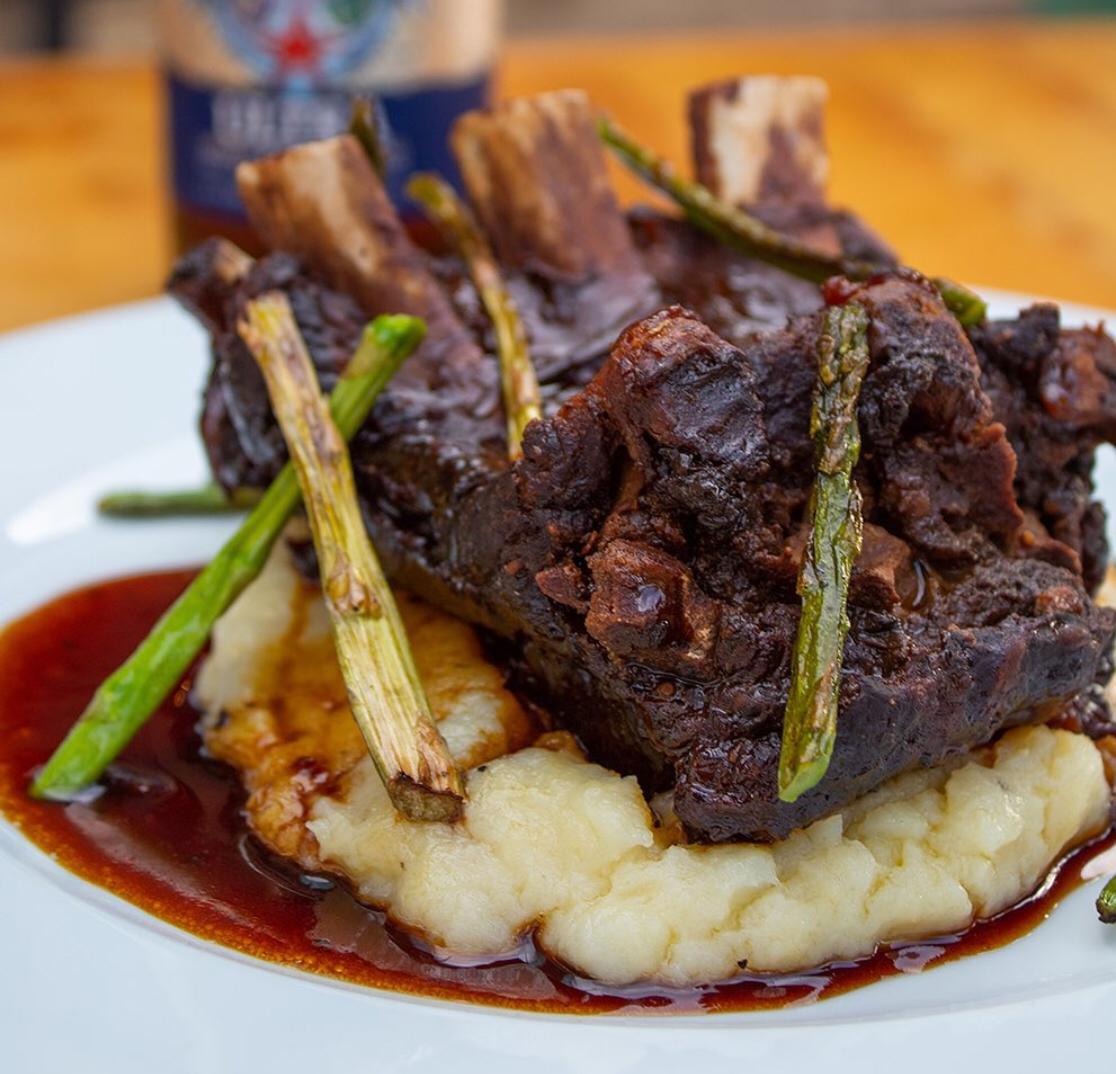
(88, 983)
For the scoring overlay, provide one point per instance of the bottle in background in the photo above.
(248, 77)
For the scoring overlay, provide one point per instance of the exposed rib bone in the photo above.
(761, 139)
(323, 202)
(536, 175)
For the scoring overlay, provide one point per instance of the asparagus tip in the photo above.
(61, 789)
(964, 303)
(366, 127)
(1106, 903)
(417, 802)
(45, 788)
(795, 781)
(392, 332)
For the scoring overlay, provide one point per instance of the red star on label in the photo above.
(296, 47)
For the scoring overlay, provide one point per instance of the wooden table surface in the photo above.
(987, 152)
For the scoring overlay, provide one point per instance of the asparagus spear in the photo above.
(131, 693)
(209, 499)
(810, 722)
(365, 126)
(751, 236)
(1106, 903)
(385, 694)
(517, 374)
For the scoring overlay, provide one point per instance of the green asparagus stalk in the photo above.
(1106, 903)
(810, 721)
(125, 700)
(517, 373)
(365, 127)
(385, 694)
(751, 236)
(209, 499)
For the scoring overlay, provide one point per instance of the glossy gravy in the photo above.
(167, 835)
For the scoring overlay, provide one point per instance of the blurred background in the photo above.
(122, 26)
(977, 136)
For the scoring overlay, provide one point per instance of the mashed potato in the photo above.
(553, 843)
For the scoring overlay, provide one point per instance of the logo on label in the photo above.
(305, 41)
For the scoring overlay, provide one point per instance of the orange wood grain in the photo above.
(82, 203)
(985, 151)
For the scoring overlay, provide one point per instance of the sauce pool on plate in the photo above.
(167, 835)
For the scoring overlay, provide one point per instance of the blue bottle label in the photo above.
(216, 128)
(250, 77)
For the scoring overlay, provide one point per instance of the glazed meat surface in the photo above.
(642, 556)
(639, 561)
(1054, 391)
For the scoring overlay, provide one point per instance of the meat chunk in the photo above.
(1055, 391)
(692, 596)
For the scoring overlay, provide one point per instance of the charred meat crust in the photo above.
(687, 548)
(641, 557)
(1055, 391)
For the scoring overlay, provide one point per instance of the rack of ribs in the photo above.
(637, 565)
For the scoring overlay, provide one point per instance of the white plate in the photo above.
(89, 983)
